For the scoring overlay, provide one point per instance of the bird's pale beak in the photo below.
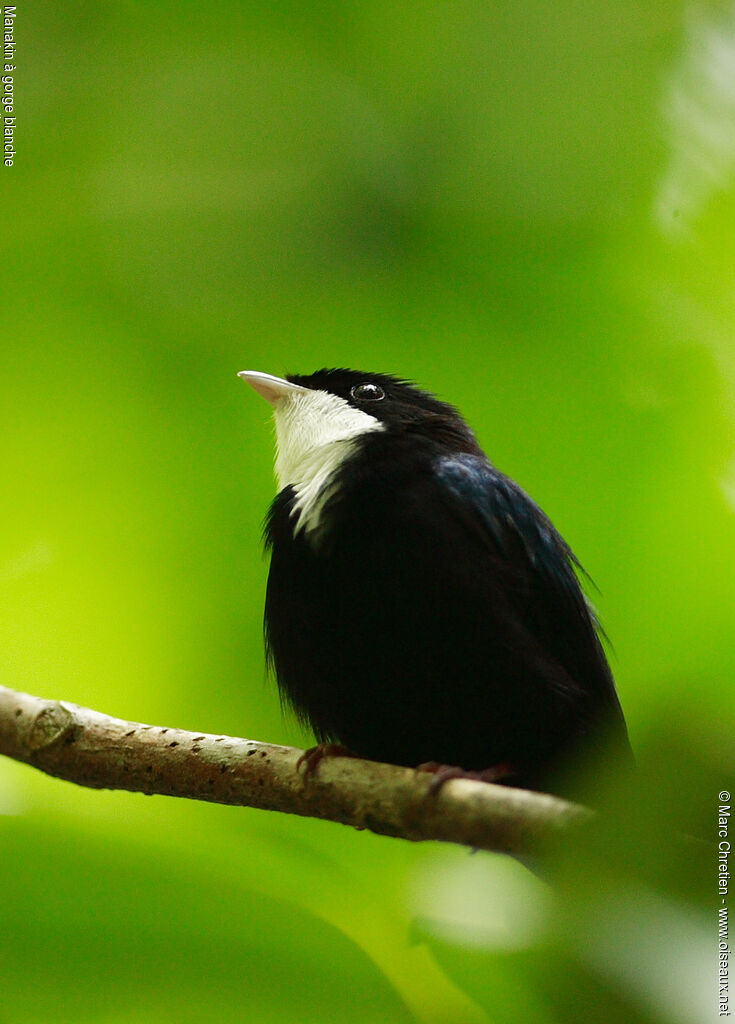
(273, 389)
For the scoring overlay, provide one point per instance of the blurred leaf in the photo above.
(114, 930)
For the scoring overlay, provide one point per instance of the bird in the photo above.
(421, 609)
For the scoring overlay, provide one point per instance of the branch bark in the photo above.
(92, 749)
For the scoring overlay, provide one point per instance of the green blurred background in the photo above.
(528, 208)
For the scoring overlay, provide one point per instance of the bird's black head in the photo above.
(326, 417)
(398, 404)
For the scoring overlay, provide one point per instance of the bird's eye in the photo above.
(367, 392)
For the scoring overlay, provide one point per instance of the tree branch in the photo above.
(92, 749)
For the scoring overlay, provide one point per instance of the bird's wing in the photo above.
(536, 569)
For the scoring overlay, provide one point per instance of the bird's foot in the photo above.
(312, 758)
(444, 772)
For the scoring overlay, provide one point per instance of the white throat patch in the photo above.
(316, 431)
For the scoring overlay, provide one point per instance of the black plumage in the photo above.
(429, 611)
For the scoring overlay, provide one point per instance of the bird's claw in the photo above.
(445, 772)
(312, 758)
